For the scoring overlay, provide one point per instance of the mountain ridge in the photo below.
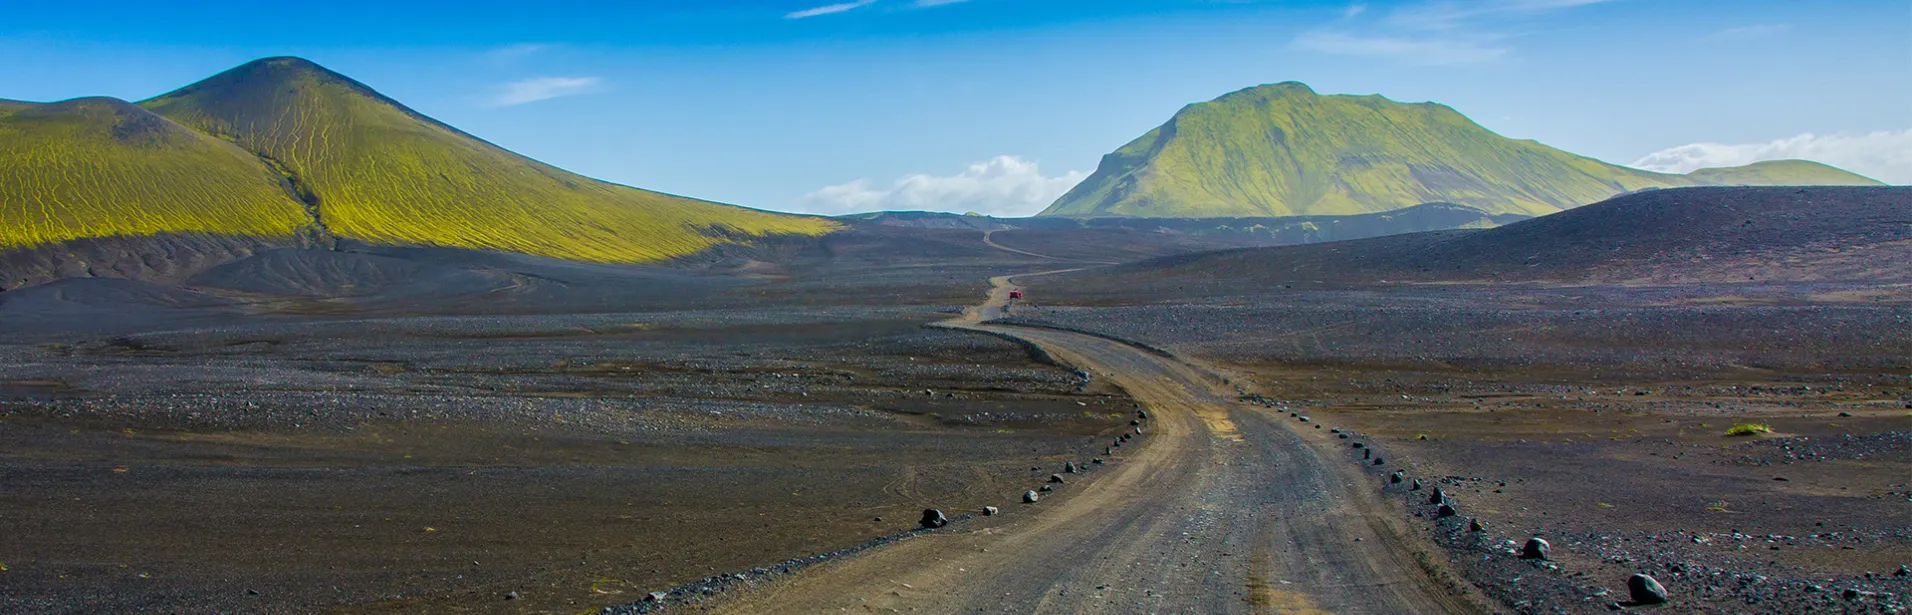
(1282, 149)
(288, 152)
(384, 173)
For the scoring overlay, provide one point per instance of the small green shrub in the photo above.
(1749, 429)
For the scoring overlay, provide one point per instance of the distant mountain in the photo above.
(95, 167)
(1261, 231)
(1684, 235)
(283, 151)
(382, 173)
(1283, 150)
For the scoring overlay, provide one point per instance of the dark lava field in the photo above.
(382, 430)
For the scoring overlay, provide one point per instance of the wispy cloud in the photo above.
(1434, 33)
(830, 9)
(544, 88)
(1428, 52)
(1744, 33)
(927, 3)
(1885, 155)
(1004, 185)
(1447, 14)
(517, 51)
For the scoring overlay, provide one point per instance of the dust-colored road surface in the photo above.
(1218, 509)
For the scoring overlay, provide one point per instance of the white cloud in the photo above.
(1435, 33)
(519, 50)
(1000, 186)
(1431, 52)
(830, 9)
(1883, 155)
(542, 88)
(1448, 14)
(938, 2)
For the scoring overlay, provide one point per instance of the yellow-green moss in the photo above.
(98, 167)
(1282, 150)
(385, 174)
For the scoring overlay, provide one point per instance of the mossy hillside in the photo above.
(1281, 150)
(99, 167)
(1781, 173)
(383, 173)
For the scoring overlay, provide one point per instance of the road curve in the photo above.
(1220, 508)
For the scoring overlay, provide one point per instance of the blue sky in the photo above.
(998, 105)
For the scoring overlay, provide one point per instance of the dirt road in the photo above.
(1220, 508)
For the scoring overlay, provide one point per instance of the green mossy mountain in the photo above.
(1283, 150)
(282, 148)
(382, 173)
(99, 167)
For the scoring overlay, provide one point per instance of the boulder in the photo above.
(1536, 548)
(1069, 467)
(990, 511)
(1476, 525)
(1030, 497)
(1380, 461)
(1437, 497)
(1142, 414)
(1445, 511)
(933, 518)
(1645, 590)
(1396, 477)
(1416, 486)
(657, 596)
(1055, 478)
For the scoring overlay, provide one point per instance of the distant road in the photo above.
(1220, 508)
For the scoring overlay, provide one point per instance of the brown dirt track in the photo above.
(1221, 509)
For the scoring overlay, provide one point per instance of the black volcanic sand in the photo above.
(431, 464)
(1594, 416)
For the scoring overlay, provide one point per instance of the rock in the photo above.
(1380, 461)
(1367, 454)
(1396, 477)
(1135, 422)
(1850, 594)
(1030, 497)
(1416, 486)
(1357, 445)
(1536, 548)
(990, 511)
(1845, 414)
(1138, 430)
(1645, 590)
(1903, 572)
(1437, 497)
(1108, 451)
(1096, 461)
(1476, 525)
(1335, 430)
(1342, 436)
(1304, 419)
(1047, 488)
(1069, 467)
(933, 518)
(1445, 511)
(1142, 414)
(511, 595)
(1055, 478)
(657, 596)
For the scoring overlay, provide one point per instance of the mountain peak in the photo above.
(1283, 150)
